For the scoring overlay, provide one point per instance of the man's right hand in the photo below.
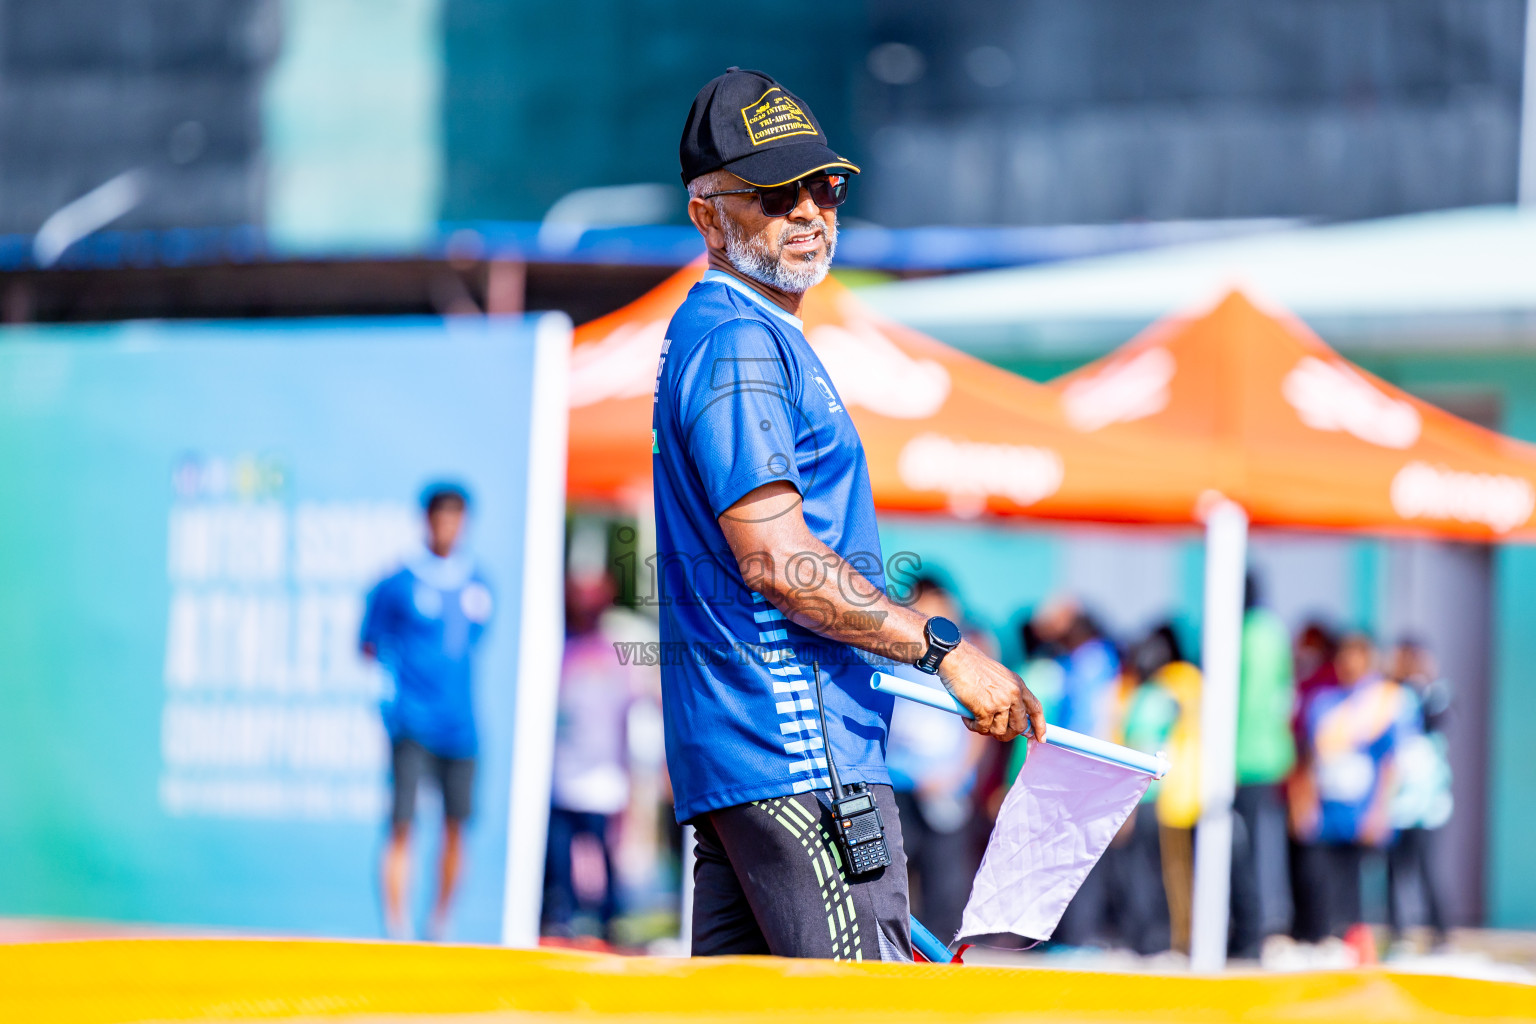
(1002, 704)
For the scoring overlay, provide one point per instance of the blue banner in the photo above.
(194, 514)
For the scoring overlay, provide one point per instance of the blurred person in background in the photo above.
(1090, 667)
(423, 624)
(591, 779)
(1266, 753)
(1042, 672)
(1423, 801)
(1165, 716)
(1149, 921)
(1090, 692)
(1355, 731)
(1316, 648)
(932, 758)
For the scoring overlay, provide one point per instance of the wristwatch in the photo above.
(943, 636)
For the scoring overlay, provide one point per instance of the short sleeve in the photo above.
(735, 402)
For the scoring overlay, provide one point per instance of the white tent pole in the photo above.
(1226, 543)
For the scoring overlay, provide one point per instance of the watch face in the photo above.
(943, 632)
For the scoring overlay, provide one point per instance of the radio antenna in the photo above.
(826, 738)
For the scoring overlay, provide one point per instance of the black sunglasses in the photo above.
(828, 191)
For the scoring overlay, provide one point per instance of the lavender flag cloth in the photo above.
(1055, 823)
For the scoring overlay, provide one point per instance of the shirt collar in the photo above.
(450, 573)
(756, 296)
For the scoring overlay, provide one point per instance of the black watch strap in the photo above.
(943, 636)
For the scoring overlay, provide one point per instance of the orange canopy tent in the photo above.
(1236, 402)
(1288, 433)
(1297, 435)
(942, 431)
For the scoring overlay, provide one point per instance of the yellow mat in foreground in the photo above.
(152, 979)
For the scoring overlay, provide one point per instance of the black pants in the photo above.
(767, 878)
(1258, 818)
(1311, 919)
(1343, 870)
(1410, 862)
(1139, 903)
(943, 866)
(560, 900)
(1325, 881)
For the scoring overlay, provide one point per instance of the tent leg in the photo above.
(1226, 543)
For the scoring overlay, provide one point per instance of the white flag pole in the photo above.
(1226, 543)
(1155, 765)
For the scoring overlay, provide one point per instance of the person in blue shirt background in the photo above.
(1089, 687)
(423, 623)
(1090, 666)
(1355, 730)
(769, 561)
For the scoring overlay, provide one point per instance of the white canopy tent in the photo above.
(1395, 279)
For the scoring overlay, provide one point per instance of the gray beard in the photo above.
(760, 260)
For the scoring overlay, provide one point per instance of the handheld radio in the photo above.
(856, 824)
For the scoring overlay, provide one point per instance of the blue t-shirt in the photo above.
(1353, 731)
(1088, 688)
(424, 623)
(741, 401)
(926, 745)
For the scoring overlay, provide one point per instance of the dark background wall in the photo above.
(1049, 111)
(92, 88)
(1024, 111)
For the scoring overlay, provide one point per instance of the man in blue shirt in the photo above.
(422, 624)
(769, 558)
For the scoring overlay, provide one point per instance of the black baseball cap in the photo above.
(750, 125)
